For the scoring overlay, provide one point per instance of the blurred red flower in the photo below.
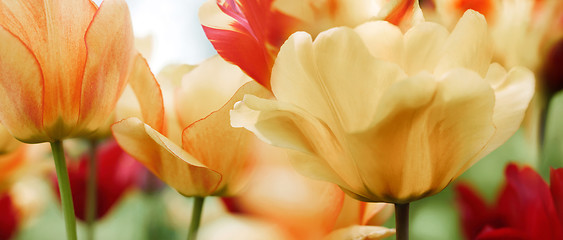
(527, 208)
(9, 217)
(117, 172)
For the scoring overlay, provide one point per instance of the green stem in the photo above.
(196, 218)
(402, 221)
(91, 198)
(64, 189)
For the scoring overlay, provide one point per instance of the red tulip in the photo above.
(117, 172)
(527, 208)
(9, 217)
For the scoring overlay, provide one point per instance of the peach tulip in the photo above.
(213, 157)
(63, 66)
(386, 115)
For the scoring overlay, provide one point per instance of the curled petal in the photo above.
(512, 97)
(165, 159)
(148, 93)
(201, 140)
(284, 125)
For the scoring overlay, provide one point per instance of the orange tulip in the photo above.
(213, 157)
(63, 66)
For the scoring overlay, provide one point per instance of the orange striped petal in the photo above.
(165, 159)
(21, 90)
(54, 32)
(203, 139)
(110, 45)
(148, 93)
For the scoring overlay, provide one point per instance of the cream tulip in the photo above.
(387, 116)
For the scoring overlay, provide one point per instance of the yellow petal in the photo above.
(169, 79)
(21, 90)
(205, 137)
(148, 93)
(468, 46)
(210, 85)
(513, 93)
(110, 43)
(166, 160)
(361, 233)
(424, 134)
(423, 47)
(313, 77)
(317, 151)
(54, 32)
(390, 47)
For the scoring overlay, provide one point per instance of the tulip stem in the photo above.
(91, 198)
(402, 221)
(64, 189)
(196, 218)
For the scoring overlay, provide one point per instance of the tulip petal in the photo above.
(21, 90)
(110, 44)
(474, 212)
(512, 97)
(469, 34)
(449, 121)
(390, 47)
(526, 204)
(166, 160)
(211, 84)
(334, 92)
(423, 47)
(556, 188)
(357, 232)
(202, 140)
(254, 26)
(148, 93)
(54, 32)
(317, 151)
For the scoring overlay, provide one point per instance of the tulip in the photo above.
(387, 116)
(527, 208)
(261, 27)
(9, 219)
(63, 66)
(197, 168)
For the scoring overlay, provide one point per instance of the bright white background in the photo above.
(177, 36)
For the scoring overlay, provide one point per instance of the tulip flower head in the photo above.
(63, 66)
(213, 157)
(387, 116)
